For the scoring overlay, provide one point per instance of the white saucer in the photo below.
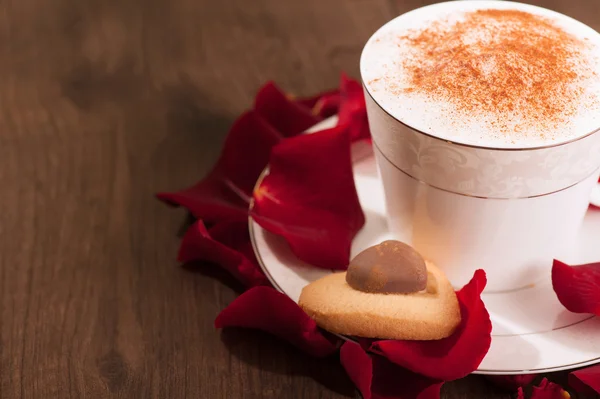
(532, 332)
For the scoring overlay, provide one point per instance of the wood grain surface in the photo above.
(105, 102)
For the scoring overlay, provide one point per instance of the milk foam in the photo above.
(385, 76)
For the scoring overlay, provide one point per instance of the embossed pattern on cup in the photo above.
(482, 172)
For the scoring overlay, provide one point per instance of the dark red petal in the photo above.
(353, 110)
(209, 199)
(393, 382)
(377, 378)
(511, 382)
(310, 199)
(310, 102)
(323, 105)
(453, 357)
(586, 381)
(520, 393)
(577, 287)
(549, 390)
(246, 152)
(225, 193)
(358, 366)
(265, 309)
(432, 391)
(284, 114)
(223, 245)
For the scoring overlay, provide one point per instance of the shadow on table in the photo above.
(214, 272)
(270, 354)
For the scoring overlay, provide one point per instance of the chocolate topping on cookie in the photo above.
(391, 267)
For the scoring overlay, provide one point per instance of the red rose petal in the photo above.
(209, 199)
(327, 106)
(353, 110)
(549, 390)
(393, 382)
(453, 357)
(225, 193)
(377, 378)
(311, 102)
(577, 287)
(225, 244)
(358, 366)
(310, 199)
(586, 381)
(246, 151)
(324, 104)
(265, 309)
(285, 115)
(511, 382)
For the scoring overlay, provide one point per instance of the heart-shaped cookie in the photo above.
(388, 292)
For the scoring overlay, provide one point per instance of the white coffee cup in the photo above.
(508, 211)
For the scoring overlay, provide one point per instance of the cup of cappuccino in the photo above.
(485, 119)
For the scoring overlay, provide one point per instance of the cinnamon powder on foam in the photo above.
(500, 63)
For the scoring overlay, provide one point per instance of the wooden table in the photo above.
(103, 103)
